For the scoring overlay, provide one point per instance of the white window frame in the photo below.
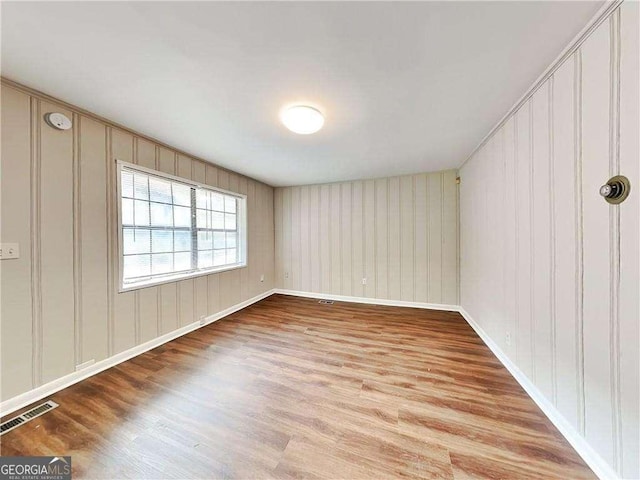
(172, 278)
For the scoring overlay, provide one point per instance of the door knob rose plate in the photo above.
(616, 190)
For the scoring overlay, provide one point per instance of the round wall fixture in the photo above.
(58, 121)
(302, 119)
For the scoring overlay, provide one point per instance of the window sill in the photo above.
(178, 278)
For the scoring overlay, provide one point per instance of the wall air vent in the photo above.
(35, 412)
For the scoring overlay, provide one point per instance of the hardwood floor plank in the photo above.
(290, 388)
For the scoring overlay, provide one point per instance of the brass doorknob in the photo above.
(616, 190)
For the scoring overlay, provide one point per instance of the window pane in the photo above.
(127, 211)
(161, 215)
(229, 222)
(205, 241)
(182, 261)
(135, 240)
(202, 198)
(162, 241)
(218, 258)
(181, 194)
(126, 184)
(218, 221)
(231, 239)
(141, 186)
(141, 213)
(218, 240)
(182, 216)
(162, 263)
(217, 202)
(205, 259)
(182, 240)
(229, 204)
(232, 255)
(159, 190)
(201, 218)
(137, 266)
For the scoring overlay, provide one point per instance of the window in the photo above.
(171, 228)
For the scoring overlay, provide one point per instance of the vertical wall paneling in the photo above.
(377, 230)
(296, 239)
(358, 238)
(77, 245)
(335, 233)
(597, 246)
(394, 245)
(56, 247)
(576, 256)
(382, 237)
(243, 276)
(305, 249)
(279, 236)
(541, 234)
(20, 283)
(94, 299)
(124, 321)
(369, 242)
(314, 236)
(434, 200)
(421, 241)
(629, 253)
(565, 215)
(407, 245)
(325, 236)
(523, 162)
(449, 238)
(509, 234)
(346, 242)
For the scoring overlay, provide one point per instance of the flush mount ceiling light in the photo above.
(302, 119)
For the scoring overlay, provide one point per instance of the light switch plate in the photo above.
(9, 251)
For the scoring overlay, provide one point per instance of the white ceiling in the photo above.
(405, 87)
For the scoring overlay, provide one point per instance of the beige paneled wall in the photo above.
(545, 261)
(60, 300)
(399, 233)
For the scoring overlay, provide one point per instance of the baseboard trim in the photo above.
(599, 466)
(370, 301)
(24, 399)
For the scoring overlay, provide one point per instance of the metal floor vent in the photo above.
(15, 422)
(326, 302)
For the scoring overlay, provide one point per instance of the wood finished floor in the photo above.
(289, 388)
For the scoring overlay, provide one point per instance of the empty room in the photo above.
(320, 240)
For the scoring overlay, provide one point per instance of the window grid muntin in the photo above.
(141, 191)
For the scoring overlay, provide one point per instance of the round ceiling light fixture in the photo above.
(302, 119)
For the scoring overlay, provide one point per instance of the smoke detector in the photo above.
(59, 121)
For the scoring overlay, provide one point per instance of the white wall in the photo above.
(546, 260)
(60, 301)
(399, 233)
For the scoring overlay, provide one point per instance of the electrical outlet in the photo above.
(508, 339)
(262, 277)
(203, 319)
(286, 274)
(9, 251)
(364, 281)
